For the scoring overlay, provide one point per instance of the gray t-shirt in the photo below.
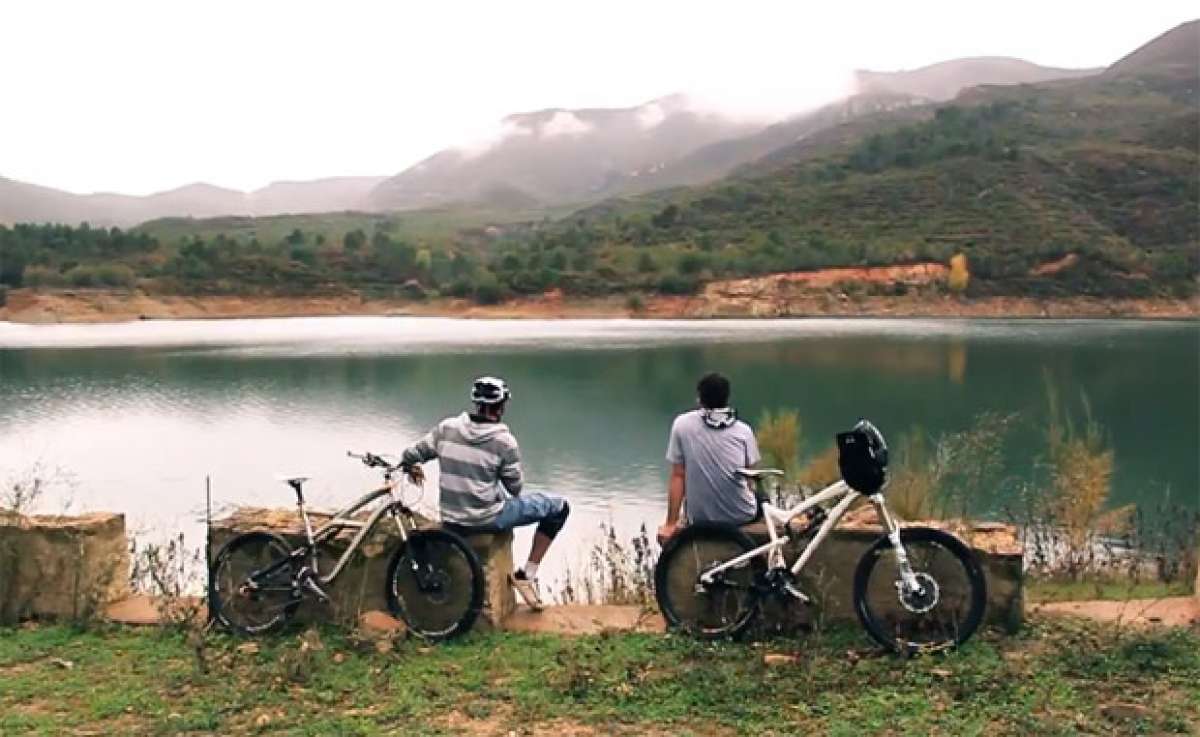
(713, 490)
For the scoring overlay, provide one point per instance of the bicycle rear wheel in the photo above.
(435, 585)
(953, 599)
(250, 587)
(723, 608)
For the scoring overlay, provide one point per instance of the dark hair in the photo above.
(713, 390)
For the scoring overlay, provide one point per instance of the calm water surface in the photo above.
(140, 413)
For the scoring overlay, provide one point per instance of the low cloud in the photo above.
(650, 115)
(499, 133)
(564, 123)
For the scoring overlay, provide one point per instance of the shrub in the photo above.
(101, 275)
(959, 276)
(487, 289)
(678, 284)
(778, 435)
(43, 276)
(460, 287)
(3, 295)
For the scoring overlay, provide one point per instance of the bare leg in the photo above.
(541, 543)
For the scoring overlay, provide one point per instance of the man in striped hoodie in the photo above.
(481, 480)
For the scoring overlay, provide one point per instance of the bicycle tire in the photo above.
(690, 552)
(960, 628)
(222, 607)
(416, 604)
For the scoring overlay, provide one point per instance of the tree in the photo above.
(397, 259)
(646, 263)
(959, 276)
(354, 241)
(667, 217)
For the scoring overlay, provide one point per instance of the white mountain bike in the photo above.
(915, 589)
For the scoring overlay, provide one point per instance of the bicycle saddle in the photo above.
(758, 473)
(292, 479)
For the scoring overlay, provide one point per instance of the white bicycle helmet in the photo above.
(490, 390)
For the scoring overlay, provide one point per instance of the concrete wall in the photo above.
(829, 576)
(361, 586)
(61, 567)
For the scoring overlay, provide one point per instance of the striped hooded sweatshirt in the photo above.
(479, 460)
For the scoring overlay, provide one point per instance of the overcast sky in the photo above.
(142, 96)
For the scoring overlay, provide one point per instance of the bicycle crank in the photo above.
(781, 583)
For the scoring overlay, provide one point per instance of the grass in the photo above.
(1046, 589)
(1056, 678)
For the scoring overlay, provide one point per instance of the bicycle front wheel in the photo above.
(250, 584)
(435, 585)
(723, 607)
(947, 610)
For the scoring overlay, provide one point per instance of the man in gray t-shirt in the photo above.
(706, 448)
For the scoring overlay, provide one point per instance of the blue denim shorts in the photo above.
(529, 508)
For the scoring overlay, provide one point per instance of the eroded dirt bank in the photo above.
(728, 299)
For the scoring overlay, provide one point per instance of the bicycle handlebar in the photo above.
(370, 460)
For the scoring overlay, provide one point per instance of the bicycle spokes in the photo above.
(715, 602)
(933, 611)
(433, 585)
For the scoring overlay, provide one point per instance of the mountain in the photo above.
(1098, 175)
(557, 155)
(333, 194)
(1173, 53)
(560, 156)
(22, 202)
(901, 93)
(943, 81)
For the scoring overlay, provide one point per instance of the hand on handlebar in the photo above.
(415, 473)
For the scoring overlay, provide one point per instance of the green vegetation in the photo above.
(1055, 678)
(1003, 181)
(1072, 538)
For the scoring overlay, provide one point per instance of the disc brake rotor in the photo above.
(919, 602)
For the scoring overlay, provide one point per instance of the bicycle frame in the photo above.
(845, 495)
(343, 521)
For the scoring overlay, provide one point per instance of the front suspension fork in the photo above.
(892, 529)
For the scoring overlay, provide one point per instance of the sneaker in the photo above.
(527, 588)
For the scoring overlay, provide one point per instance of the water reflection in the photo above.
(142, 412)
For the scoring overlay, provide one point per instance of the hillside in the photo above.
(1104, 167)
(545, 158)
(554, 156)
(1173, 53)
(561, 156)
(28, 203)
(1085, 186)
(943, 81)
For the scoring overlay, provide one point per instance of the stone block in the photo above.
(829, 576)
(361, 585)
(60, 567)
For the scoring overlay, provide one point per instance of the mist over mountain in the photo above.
(561, 156)
(557, 155)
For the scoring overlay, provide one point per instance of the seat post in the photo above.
(298, 487)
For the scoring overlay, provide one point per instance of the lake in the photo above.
(136, 415)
